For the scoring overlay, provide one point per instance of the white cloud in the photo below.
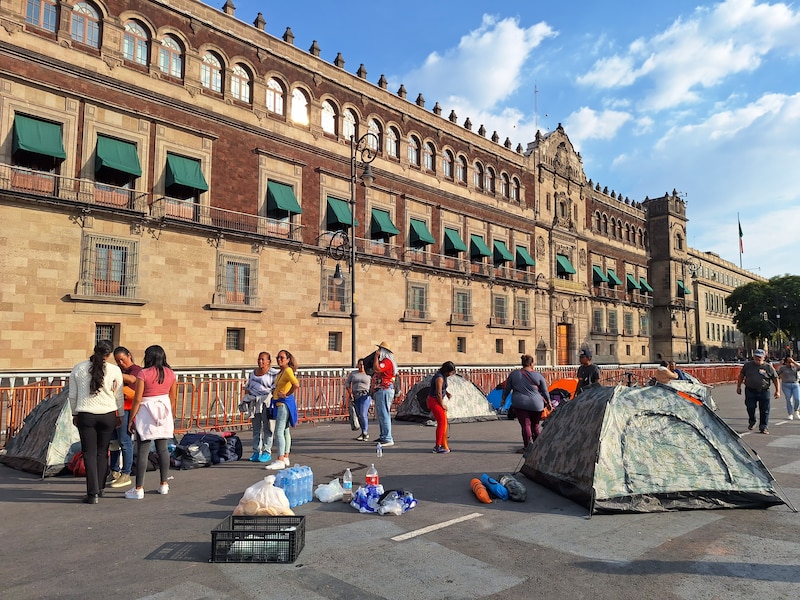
(699, 52)
(586, 124)
(485, 67)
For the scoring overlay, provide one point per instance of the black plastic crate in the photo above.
(240, 539)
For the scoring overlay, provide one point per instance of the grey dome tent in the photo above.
(47, 439)
(646, 449)
(467, 404)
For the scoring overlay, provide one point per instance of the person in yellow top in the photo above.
(284, 407)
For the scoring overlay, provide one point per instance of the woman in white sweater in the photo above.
(95, 396)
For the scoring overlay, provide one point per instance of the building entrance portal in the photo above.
(562, 343)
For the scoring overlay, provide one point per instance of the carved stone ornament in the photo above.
(540, 247)
(582, 257)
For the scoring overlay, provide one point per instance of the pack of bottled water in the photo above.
(297, 483)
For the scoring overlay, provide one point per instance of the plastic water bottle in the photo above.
(372, 475)
(347, 485)
(309, 484)
(379, 450)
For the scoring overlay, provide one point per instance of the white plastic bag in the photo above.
(264, 499)
(330, 492)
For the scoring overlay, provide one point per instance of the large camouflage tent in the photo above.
(646, 449)
(468, 402)
(699, 390)
(47, 439)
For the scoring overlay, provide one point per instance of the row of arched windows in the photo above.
(616, 229)
(235, 79)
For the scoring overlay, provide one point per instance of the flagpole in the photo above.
(741, 243)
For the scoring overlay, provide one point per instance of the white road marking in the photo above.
(424, 530)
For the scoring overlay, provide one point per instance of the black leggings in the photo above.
(95, 432)
(143, 451)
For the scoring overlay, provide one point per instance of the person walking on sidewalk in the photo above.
(258, 398)
(790, 387)
(385, 370)
(757, 374)
(529, 397)
(95, 397)
(357, 389)
(438, 406)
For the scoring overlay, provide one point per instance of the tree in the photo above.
(765, 309)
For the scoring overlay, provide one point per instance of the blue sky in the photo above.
(702, 97)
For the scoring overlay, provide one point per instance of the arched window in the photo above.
(448, 164)
(619, 229)
(477, 176)
(328, 118)
(627, 232)
(605, 224)
(597, 221)
(135, 43)
(299, 107)
(490, 184)
(211, 72)
(86, 25)
(515, 197)
(641, 238)
(461, 169)
(505, 187)
(349, 125)
(276, 97)
(392, 143)
(241, 84)
(678, 241)
(562, 209)
(413, 150)
(374, 141)
(429, 155)
(42, 14)
(170, 57)
(613, 227)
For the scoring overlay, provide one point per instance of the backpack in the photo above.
(76, 464)
(215, 443)
(194, 455)
(232, 450)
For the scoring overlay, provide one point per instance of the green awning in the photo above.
(682, 289)
(501, 253)
(382, 223)
(477, 247)
(186, 172)
(612, 278)
(632, 283)
(281, 197)
(524, 259)
(38, 137)
(453, 241)
(338, 215)
(117, 156)
(598, 276)
(418, 234)
(563, 266)
(645, 285)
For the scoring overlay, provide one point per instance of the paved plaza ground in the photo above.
(53, 546)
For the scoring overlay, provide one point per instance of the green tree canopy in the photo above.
(761, 307)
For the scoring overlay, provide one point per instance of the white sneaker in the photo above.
(797, 414)
(135, 494)
(287, 462)
(276, 466)
(163, 489)
(791, 416)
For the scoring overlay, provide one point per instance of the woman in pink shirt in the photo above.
(151, 416)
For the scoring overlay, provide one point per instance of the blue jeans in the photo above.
(125, 445)
(760, 398)
(283, 432)
(362, 411)
(383, 403)
(262, 434)
(791, 391)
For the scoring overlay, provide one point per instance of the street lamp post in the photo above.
(363, 151)
(692, 267)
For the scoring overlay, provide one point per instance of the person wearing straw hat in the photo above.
(385, 370)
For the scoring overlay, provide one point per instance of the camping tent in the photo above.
(646, 449)
(467, 404)
(46, 440)
(701, 391)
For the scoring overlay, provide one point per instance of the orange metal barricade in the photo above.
(17, 402)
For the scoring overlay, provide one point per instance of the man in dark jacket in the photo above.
(757, 374)
(588, 373)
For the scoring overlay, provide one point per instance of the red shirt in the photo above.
(385, 374)
(130, 388)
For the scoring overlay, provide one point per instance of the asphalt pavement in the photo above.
(449, 547)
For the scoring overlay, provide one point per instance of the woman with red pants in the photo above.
(438, 406)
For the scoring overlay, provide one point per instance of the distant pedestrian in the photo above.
(96, 400)
(789, 386)
(357, 387)
(385, 370)
(437, 404)
(151, 416)
(588, 373)
(529, 396)
(757, 375)
(258, 389)
(682, 376)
